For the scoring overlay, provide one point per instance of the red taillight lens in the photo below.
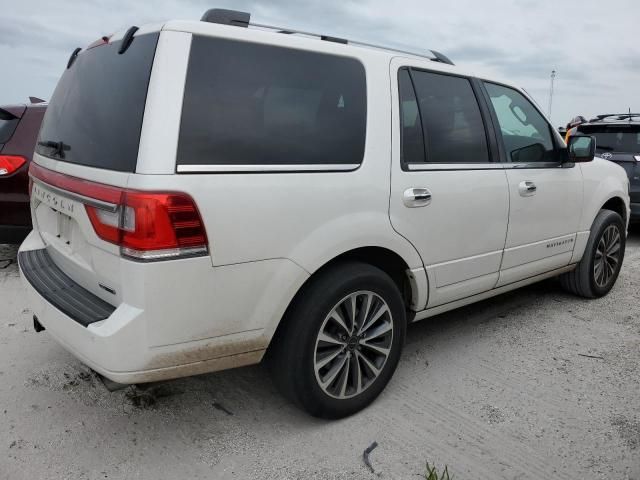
(10, 163)
(161, 220)
(146, 225)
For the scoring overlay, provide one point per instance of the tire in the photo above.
(298, 353)
(587, 280)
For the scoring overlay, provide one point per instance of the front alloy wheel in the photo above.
(607, 256)
(597, 271)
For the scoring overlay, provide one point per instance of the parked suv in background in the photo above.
(618, 140)
(206, 194)
(19, 125)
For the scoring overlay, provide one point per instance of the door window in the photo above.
(526, 135)
(452, 125)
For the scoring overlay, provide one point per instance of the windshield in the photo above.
(614, 138)
(95, 115)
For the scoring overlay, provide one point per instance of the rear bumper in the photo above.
(122, 347)
(61, 291)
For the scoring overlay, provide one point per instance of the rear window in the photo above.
(8, 123)
(250, 104)
(97, 108)
(451, 123)
(614, 138)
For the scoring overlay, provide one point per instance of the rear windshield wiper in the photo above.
(604, 147)
(58, 147)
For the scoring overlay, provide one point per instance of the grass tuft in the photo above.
(432, 473)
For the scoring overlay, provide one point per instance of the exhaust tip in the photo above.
(37, 326)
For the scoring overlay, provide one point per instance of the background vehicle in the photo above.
(266, 192)
(19, 126)
(618, 140)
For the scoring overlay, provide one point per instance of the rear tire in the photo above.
(326, 359)
(598, 270)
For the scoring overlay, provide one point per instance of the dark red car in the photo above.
(19, 127)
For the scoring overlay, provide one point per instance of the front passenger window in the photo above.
(525, 133)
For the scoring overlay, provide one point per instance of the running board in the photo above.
(430, 312)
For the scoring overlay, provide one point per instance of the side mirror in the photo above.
(581, 148)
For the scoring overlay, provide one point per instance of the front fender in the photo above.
(603, 180)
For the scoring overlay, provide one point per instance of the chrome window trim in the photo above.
(325, 167)
(415, 167)
(92, 202)
(426, 167)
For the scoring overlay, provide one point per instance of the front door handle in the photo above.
(527, 188)
(416, 197)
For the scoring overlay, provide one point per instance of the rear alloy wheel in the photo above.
(340, 340)
(353, 344)
(598, 270)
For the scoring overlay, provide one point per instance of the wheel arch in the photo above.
(412, 283)
(616, 204)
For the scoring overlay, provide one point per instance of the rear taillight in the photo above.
(152, 225)
(10, 163)
(146, 225)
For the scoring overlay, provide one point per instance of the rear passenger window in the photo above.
(251, 104)
(412, 143)
(451, 121)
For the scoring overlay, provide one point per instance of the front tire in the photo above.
(600, 266)
(341, 340)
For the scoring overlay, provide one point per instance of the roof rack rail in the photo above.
(242, 19)
(619, 116)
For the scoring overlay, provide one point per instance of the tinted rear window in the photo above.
(412, 137)
(250, 104)
(614, 138)
(97, 108)
(8, 124)
(451, 120)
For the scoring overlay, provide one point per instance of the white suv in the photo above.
(206, 194)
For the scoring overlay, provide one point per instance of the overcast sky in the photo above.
(594, 45)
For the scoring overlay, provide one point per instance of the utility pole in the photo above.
(553, 78)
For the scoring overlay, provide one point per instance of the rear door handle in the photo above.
(416, 197)
(527, 188)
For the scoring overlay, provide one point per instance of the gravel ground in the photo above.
(532, 384)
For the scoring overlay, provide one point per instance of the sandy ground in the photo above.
(501, 389)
